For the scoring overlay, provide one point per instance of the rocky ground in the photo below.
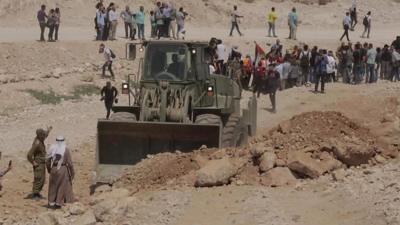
(322, 159)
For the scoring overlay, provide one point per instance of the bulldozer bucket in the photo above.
(127, 142)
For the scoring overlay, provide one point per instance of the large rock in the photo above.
(284, 127)
(277, 177)
(87, 218)
(352, 154)
(114, 194)
(329, 163)
(215, 173)
(76, 209)
(51, 218)
(302, 164)
(267, 161)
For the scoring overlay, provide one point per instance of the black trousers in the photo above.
(56, 31)
(272, 97)
(109, 66)
(108, 105)
(42, 29)
(51, 32)
(128, 30)
(235, 25)
(320, 77)
(346, 33)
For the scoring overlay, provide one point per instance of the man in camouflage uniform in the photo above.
(37, 157)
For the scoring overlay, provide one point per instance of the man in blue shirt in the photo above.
(293, 22)
(140, 22)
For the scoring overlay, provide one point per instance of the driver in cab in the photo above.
(176, 68)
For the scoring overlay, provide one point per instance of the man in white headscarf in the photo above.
(61, 170)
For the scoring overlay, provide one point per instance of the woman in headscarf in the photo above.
(61, 170)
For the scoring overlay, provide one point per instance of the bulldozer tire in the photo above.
(233, 134)
(119, 116)
(208, 119)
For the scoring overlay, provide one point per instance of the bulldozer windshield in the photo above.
(166, 62)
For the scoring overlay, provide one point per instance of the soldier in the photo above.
(37, 157)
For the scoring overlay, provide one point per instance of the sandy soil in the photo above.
(366, 196)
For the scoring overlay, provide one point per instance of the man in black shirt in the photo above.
(109, 94)
(386, 62)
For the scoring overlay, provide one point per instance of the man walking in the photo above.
(109, 95)
(127, 17)
(109, 57)
(41, 17)
(367, 25)
(346, 26)
(37, 157)
(235, 21)
(293, 22)
(371, 59)
(61, 170)
(140, 22)
(353, 15)
(272, 16)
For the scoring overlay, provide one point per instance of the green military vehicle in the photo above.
(176, 105)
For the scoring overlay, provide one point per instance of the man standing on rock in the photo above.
(37, 157)
(109, 95)
(60, 167)
(41, 16)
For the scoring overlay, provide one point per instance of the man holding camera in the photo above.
(109, 95)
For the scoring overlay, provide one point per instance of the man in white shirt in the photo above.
(346, 26)
(235, 21)
(331, 66)
(113, 17)
(221, 56)
(109, 57)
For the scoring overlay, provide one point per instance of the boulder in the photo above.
(215, 173)
(199, 160)
(267, 161)
(51, 218)
(87, 218)
(277, 177)
(339, 175)
(353, 154)
(302, 164)
(258, 150)
(284, 127)
(114, 194)
(329, 163)
(76, 209)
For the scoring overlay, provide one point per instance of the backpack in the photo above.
(112, 54)
(365, 21)
(305, 60)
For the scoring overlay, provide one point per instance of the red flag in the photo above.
(259, 54)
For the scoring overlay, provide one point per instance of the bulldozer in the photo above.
(175, 104)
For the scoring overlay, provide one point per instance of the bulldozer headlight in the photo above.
(193, 51)
(125, 88)
(141, 49)
(210, 91)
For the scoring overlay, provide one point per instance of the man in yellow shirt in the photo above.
(272, 16)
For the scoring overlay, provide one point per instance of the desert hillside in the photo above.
(206, 12)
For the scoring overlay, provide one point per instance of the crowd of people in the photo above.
(165, 21)
(50, 20)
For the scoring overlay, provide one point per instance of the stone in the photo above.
(302, 164)
(215, 173)
(199, 160)
(267, 161)
(380, 159)
(277, 177)
(284, 127)
(76, 209)
(280, 163)
(339, 175)
(353, 154)
(329, 163)
(114, 194)
(51, 218)
(258, 150)
(87, 218)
